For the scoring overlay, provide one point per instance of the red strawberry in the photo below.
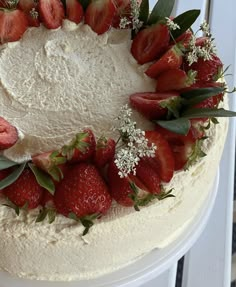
(207, 71)
(8, 134)
(81, 148)
(83, 191)
(164, 159)
(47, 198)
(149, 104)
(174, 79)
(172, 59)
(13, 24)
(74, 11)
(51, 162)
(52, 13)
(30, 8)
(105, 151)
(25, 190)
(150, 43)
(185, 38)
(99, 15)
(123, 9)
(148, 176)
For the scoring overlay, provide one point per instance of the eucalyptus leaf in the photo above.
(162, 9)
(185, 21)
(206, 113)
(13, 176)
(179, 126)
(43, 178)
(144, 11)
(6, 163)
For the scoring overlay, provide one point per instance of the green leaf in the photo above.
(51, 215)
(173, 105)
(179, 126)
(13, 176)
(6, 163)
(144, 11)
(43, 178)
(185, 21)
(42, 215)
(162, 9)
(207, 113)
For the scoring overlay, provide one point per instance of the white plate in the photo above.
(143, 270)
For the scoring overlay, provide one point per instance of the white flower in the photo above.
(137, 146)
(171, 24)
(205, 27)
(136, 23)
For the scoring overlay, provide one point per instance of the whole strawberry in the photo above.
(105, 151)
(25, 190)
(82, 192)
(207, 71)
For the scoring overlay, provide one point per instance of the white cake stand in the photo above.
(143, 270)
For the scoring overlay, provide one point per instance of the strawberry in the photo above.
(163, 162)
(83, 191)
(172, 59)
(207, 71)
(47, 198)
(13, 24)
(150, 43)
(74, 11)
(123, 9)
(51, 162)
(52, 13)
(184, 38)
(8, 134)
(149, 104)
(148, 176)
(30, 8)
(105, 151)
(25, 190)
(99, 15)
(175, 79)
(81, 148)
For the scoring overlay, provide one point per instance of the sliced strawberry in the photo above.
(148, 176)
(175, 79)
(25, 190)
(81, 148)
(99, 15)
(149, 104)
(150, 43)
(105, 151)
(83, 191)
(30, 7)
(172, 59)
(74, 11)
(207, 70)
(164, 158)
(52, 13)
(27, 5)
(184, 38)
(13, 24)
(123, 9)
(8, 134)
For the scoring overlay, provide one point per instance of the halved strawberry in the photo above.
(163, 162)
(105, 151)
(123, 9)
(172, 59)
(149, 104)
(52, 13)
(148, 176)
(30, 7)
(81, 148)
(175, 79)
(150, 43)
(25, 190)
(99, 15)
(74, 11)
(13, 24)
(207, 70)
(8, 134)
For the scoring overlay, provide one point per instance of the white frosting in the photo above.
(62, 81)
(54, 83)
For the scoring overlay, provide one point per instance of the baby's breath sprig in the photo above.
(134, 19)
(136, 145)
(171, 24)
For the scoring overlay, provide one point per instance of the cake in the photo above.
(68, 78)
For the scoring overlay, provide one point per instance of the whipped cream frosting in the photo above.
(53, 83)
